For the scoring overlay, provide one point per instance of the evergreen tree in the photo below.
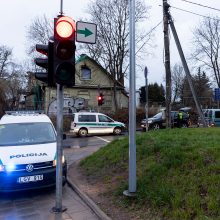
(202, 88)
(156, 93)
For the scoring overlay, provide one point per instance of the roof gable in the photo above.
(99, 75)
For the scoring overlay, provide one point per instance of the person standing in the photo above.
(180, 119)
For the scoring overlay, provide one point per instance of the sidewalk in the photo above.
(38, 205)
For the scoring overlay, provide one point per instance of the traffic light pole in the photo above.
(59, 169)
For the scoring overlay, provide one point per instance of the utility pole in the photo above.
(167, 63)
(186, 69)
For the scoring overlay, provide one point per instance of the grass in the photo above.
(178, 172)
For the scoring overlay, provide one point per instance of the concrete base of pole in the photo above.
(129, 194)
(58, 210)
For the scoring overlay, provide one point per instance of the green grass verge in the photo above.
(178, 172)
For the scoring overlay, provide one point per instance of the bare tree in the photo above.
(111, 48)
(207, 45)
(177, 78)
(39, 32)
(12, 79)
(5, 60)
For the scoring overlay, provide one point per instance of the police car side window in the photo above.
(87, 118)
(103, 118)
(217, 114)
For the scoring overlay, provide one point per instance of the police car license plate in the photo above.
(26, 179)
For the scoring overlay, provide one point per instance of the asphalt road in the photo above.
(79, 142)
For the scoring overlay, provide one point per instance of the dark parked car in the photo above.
(158, 121)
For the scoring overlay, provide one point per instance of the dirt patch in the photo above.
(102, 194)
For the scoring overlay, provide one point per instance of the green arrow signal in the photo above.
(86, 32)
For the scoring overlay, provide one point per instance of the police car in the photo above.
(27, 151)
(85, 123)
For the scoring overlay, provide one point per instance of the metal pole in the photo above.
(167, 64)
(146, 92)
(59, 168)
(132, 104)
(186, 69)
(61, 7)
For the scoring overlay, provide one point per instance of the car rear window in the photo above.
(87, 118)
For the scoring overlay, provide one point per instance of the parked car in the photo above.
(85, 123)
(27, 152)
(158, 121)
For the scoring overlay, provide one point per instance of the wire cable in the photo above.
(152, 29)
(195, 13)
(204, 6)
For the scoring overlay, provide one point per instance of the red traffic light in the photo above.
(65, 27)
(100, 99)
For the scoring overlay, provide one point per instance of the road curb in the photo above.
(100, 214)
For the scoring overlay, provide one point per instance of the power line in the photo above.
(205, 6)
(195, 13)
(152, 29)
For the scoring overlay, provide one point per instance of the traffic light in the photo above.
(64, 51)
(46, 63)
(100, 99)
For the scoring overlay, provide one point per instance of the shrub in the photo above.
(66, 122)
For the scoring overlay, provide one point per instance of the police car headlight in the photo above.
(150, 121)
(10, 167)
(2, 168)
(55, 161)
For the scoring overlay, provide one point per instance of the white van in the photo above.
(85, 123)
(213, 116)
(27, 151)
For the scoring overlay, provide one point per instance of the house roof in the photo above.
(84, 57)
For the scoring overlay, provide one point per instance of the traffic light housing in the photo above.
(64, 51)
(46, 63)
(100, 99)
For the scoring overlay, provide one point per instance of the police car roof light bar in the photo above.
(24, 112)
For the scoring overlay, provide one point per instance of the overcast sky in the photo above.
(16, 16)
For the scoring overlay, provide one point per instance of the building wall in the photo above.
(89, 89)
(90, 98)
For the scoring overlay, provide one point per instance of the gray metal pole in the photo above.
(186, 69)
(132, 104)
(146, 92)
(61, 7)
(59, 168)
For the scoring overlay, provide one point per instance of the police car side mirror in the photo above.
(64, 136)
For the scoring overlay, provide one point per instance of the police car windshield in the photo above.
(26, 133)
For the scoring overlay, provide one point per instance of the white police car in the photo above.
(27, 152)
(85, 123)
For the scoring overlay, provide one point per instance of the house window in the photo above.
(85, 73)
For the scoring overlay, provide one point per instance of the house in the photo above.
(91, 79)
